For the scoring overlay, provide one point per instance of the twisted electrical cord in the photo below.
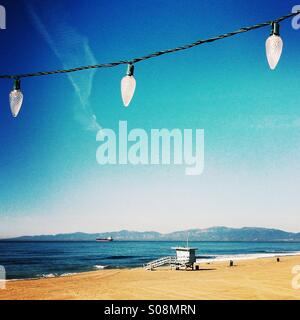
(152, 55)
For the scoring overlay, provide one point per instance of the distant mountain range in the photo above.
(209, 234)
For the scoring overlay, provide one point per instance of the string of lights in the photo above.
(274, 46)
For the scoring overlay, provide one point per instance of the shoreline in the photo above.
(219, 258)
(248, 256)
(262, 278)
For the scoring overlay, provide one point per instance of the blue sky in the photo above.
(50, 181)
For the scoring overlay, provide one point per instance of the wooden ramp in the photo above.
(160, 263)
(173, 262)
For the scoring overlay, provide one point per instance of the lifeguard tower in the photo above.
(185, 257)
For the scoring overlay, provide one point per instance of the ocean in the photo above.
(52, 259)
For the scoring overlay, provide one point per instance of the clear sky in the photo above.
(50, 181)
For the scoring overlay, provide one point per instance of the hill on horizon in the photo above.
(208, 234)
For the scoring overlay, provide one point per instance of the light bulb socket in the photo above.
(275, 29)
(130, 70)
(17, 84)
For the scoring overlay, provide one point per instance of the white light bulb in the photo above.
(128, 85)
(16, 99)
(274, 46)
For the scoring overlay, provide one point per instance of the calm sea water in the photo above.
(47, 259)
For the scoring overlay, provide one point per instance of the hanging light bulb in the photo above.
(16, 98)
(128, 85)
(274, 45)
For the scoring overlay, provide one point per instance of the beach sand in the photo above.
(248, 279)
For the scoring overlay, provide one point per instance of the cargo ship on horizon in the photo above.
(109, 239)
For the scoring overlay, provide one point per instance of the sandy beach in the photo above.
(248, 279)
